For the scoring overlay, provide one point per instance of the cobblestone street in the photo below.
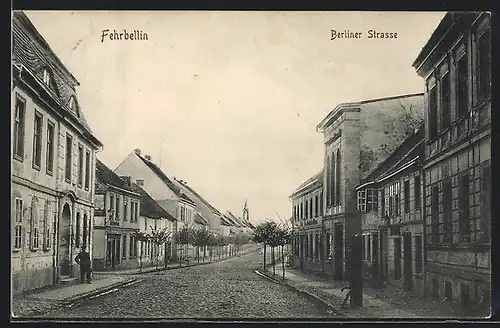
(227, 289)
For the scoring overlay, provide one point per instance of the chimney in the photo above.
(147, 157)
(137, 151)
(127, 180)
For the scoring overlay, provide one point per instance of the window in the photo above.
(394, 202)
(80, 166)
(301, 211)
(46, 227)
(382, 201)
(407, 196)
(337, 178)
(85, 233)
(77, 233)
(316, 248)
(463, 205)
(139, 182)
(69, 145)
(434, 215)
(311, 208)
(34, 232)
(118, 207)
(136, 211)
(112, 206)
(363, 246)
(72, 103)
(328, 245)
(371, 200)
(37, 140)
(124, 247)
(49, 157)
(333, 179)
(362, 201)
(19, 128)
(462, 86)
(486, 202)
(132, 211)
(18, 226)
(328, 181)
(87, 170)
(125, 213)
(417, 192)
(448, 293)
(418, 254)
(464, 294)
(397, 205)
(447, 210)
(368, 247)
(316, 205)
(433, 112)
(132, 247)
(46, 77)
(445, 101)
(483, 64)
(307, 209)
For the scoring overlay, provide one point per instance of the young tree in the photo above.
(184, 237)
(159, 237)
(201, 239)
(284, 238)
(212, 241)
(140, 237)
(264, 234)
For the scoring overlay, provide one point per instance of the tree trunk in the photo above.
(283, 256)
(273, 260)
(265, 248)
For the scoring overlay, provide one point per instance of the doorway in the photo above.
(375, 258)
(113, 251)
(338, 241)
(65, 241)
(408, 272)
(383, 254)
(397, 259)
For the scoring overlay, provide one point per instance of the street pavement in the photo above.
(226, 289)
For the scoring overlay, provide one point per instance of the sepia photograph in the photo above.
(250, 165)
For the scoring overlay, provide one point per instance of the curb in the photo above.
(317, 298)
(98, 291)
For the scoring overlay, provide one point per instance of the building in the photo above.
(146, 174)
(311, 244)
(390, 202)
(153, 219)
(116, 213)
(206, 210)
(52, 166)
(455, 64)
(357, 137)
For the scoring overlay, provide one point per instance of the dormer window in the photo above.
(72, 104)
(46, 76)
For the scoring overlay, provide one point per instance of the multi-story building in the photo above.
(456, 66)
(390, 202)
(146, 174)
(311, 245)
(357, 137)
(52, 167)
(116, 212)
(153, 219)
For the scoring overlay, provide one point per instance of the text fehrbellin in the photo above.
(124, 35)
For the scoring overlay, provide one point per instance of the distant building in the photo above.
(52, 164)
(311, 244)
(357, 137)
(456, 66)
(390, 202)
(117, 209)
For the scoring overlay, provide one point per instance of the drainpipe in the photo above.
(91, 216)
(55, 258)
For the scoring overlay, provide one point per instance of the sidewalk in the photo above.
(52, 297)
(172, 266)
(388, 302)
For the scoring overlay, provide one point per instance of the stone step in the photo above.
(69, 281)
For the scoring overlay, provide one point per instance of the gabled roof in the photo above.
(198, 218)
(315, 179)
(230, 220)
(238, 222)
(163, 177)
(149, 207)
(105, 176)
(185, 185)
(224, 221)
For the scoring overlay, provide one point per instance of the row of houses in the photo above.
(63, 197)
(412, 175)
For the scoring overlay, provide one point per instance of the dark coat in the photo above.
(83, 259)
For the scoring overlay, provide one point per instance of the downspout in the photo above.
(92, 206)
(55, 256)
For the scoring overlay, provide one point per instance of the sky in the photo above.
(230, 101)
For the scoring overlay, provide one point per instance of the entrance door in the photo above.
(64, 241)
(338, 251)
(397, 258)
(383, 254)
(375, 255)
(408, 273)
(113, 251)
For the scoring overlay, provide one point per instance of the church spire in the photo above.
(246, 213)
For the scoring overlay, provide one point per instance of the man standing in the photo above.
(83, 259)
